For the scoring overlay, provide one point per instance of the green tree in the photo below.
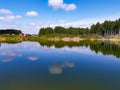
(59, 30)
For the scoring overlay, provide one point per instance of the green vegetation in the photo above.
(105, 29)
(106, 47)
(62, 30)
(10, 31)
(17, 38)
(54, 37)
(109, 30)
(10, 38)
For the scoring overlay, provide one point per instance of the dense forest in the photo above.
(62, 30)
(106, 28)
(10, 31)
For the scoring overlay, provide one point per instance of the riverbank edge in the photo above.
(56, 38)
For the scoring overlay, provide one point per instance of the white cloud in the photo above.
(2, 18)
(84, 22)
(10, 25)
(10, 18)
(70, 7)
(5, 11)
(8, 15)
(18, 16)
(33, 28)
(26, 28)
(59, 4)
(32, 13)
(62, 21)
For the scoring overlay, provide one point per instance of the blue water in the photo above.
(30, 66)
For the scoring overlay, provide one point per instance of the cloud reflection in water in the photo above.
(32, 58)
(57, 68)
(11, 54)
(6, 60)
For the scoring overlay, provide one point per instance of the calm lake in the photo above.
(60, 66)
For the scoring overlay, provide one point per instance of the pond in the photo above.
(60, 66)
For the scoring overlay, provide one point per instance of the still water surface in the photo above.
(34, 66)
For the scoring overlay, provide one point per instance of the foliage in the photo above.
(62, 30)
(107, 28)
(10, 31)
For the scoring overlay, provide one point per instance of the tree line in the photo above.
(62, 30)
(106, 28)
(10, 31)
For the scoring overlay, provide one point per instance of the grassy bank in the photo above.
(10, 38)
(56, 37)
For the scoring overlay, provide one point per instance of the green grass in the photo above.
(44, 38)
(114, 37)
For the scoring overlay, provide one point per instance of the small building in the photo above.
(22, 34)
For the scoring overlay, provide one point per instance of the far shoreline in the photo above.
(64, 38)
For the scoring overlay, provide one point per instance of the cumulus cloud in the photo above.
(32, 13)
(69, 7)
(59, 4)
(5, 11)
(8, 15)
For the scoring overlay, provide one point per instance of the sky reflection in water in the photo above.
(31, 66)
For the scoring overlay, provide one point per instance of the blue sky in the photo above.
(31, 15)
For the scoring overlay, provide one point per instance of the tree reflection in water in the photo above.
(106, 48)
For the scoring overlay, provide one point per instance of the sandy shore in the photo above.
(77, 39)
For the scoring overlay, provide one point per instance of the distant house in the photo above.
(22, 34)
